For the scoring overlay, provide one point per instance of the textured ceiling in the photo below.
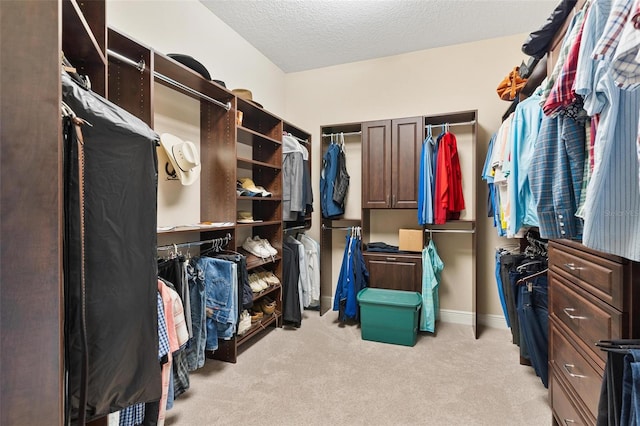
(298, 35)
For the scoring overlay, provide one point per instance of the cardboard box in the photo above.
(389, 316)
(411, 240)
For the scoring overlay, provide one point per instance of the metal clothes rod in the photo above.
(341, 228)
(326, 135)
(462, 123)
(294, 228)
(451, 231)
(297, 138)
(224, 240)
(141, 67)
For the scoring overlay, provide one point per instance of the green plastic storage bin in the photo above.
(389, 316)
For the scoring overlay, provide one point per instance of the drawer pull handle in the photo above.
(392, 258)
(567, 310)
(568, 367)
(572, 267)
(568, 421)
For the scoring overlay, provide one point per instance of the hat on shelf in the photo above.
(246, 95)
(195, 65)
(247, 184)
(246, 217)
(183, 156)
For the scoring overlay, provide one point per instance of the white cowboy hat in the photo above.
(183, 156)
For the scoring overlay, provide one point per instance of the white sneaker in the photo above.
(256, 248)
(245, 322)
(266, 244)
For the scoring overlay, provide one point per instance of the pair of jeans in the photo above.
(503, 300)
(533, 312)
(630, 414)
(196, 344)
(219, 298)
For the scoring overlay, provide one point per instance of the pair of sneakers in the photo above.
(257, 284)
(268, 276)
(259, 247)
(245, 322)
(266, 305)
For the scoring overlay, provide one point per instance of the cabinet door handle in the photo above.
(568, 421)
(387, 200)
(567, 310)
(568, 367)
(392, 258)
(572, 267)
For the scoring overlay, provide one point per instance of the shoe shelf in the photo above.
(247, 198)
(254, 261)
(274, 319)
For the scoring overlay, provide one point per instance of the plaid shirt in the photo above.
(572, 33)
(562, 93)
(625, 68)
(555, 176)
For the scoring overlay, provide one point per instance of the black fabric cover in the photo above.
(291, 313)
(341, 185)
(120, 258)
(538, 41)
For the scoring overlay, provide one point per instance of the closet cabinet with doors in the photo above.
(391, 163)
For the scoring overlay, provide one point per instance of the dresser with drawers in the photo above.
(592, 296)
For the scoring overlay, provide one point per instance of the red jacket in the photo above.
(448, 197)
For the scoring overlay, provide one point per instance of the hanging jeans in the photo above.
(196, 344)
(219, 299)
(503, 300)
(630, 414)
(533, 312)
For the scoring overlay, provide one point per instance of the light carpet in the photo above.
(323, 373)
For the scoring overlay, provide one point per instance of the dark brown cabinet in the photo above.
(394, 271)
(391, 163)
(592, 296)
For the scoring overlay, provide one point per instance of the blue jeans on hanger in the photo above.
(196, 344)
(219, 300)
(533, 312)
(630, 414)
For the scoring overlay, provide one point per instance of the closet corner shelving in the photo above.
(228, 149)
(391, 151)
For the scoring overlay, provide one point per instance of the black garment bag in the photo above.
(110, 270)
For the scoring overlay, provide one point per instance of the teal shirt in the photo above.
(432, 266)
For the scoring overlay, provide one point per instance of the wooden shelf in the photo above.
(249, 137)
(272, 198)
(246, 163)
(273, 319)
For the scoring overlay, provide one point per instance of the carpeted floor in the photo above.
(324, 374)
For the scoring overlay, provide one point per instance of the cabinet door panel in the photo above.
(376, 164)
(406, 148)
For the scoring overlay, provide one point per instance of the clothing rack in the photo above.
(141, 67)
(222, 241)
(451, 231)
(327, 135)
(294, 228)
(305, 141)
(461, 123)
(339, 228)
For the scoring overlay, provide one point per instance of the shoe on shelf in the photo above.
(267, 305)
(255, 285)
(260, 282)
(245, 322)
(256, 248)
(265, 243)
(256, 315)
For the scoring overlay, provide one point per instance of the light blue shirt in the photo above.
(524, 133)
(612, 206)
(432, 266)
(425, 182)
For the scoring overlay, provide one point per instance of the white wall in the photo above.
(429, 82)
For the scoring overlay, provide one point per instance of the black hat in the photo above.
(188, 61)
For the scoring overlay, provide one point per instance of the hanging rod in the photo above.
(294, 228)
(141, 67)
(326, 135)
(340, 228)
(461, 123)
(451, 231)
(226, 239)
(296, 138)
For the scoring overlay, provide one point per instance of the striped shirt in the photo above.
(612, 206)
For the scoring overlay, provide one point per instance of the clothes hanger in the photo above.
(523, 267)
(528, 278)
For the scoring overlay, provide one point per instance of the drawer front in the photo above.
(395, 272)
(564, 411)
(576, 370)
(599, 276)
(588, 319)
